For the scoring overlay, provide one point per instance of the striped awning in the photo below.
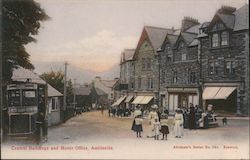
(142, 99)
(119, 101)
(217, 92)
(128, 99)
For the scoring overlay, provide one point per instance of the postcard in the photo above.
(124, 79)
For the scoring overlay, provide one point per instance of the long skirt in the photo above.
(164, 130)
(133, 126)
(138, 128)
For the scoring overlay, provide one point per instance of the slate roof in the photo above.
(127, 55)
(227, 19)
(188, 37)
(109, 83)
(22, 75)
(172, 38)
(82, 91)
(195, 42)
(99, 91)
(241, 18)
(157, 35)
(194, 29)
(238, 20)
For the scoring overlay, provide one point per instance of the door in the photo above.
(183, 101)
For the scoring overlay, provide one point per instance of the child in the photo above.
(164, 126)
(138, 126)
(157, 127)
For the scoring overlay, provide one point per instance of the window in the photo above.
(184, 57)
(174, 80)
(148, 63)
(29, 98)
(224, 38)
(230, 67)
(192, 77)
(181, 44)
(168, 48)
(143, 63)
(53, 104)
(213, 67)
(169, 58)
(150, 83)
(215, 40)
(14, 98)
(139, 83)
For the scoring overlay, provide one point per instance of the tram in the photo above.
(25, 101)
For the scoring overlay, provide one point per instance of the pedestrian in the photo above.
(157, 127)
(152, 116)
(138, 126)
(178, 124)
(137, 113)
(191, 117)
(164, 126)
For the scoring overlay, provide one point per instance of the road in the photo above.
(93, 135)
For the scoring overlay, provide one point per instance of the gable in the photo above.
(221, 22)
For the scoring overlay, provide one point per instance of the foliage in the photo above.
(20, 21)
(56, 80)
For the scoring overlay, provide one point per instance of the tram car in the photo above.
(25, 101)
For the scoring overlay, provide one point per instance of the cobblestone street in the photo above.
(93, 135)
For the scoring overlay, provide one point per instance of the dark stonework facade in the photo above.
(225, 60)
(202, 64)
(180, 68)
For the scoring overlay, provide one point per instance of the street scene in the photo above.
(113, 132)
(125, 79)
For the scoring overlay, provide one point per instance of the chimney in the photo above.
(226, 10)
(188, 22)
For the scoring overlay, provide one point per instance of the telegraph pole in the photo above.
(74, 93)
(64, 87)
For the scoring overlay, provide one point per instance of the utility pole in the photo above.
(64, 87)
(74, 93)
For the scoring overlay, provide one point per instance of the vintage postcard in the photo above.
(124, 79)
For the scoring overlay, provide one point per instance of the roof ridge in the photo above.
(157, 27)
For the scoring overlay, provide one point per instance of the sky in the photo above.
(90, 34)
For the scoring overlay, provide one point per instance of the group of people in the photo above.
(158, 123)
(119, 112)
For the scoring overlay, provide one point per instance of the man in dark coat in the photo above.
(191, 117)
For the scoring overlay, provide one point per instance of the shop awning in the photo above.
(138, 99)
(217, 92)
(128, 99)
(146, 100)
(142, 99)
(119, 101)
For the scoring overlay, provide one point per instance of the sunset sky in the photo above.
(91, 34)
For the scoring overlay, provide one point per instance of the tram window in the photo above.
(14, 98)
(29, 98)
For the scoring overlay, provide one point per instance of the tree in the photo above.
(20, 21)
(56, 80)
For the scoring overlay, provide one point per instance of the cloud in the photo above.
(98, 52)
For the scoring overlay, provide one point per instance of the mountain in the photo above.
(81, 75)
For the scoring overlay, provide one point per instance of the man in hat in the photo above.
(152, 116)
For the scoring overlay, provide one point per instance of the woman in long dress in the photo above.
(152, 116)
(178, 124)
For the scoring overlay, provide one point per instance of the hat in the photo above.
(154, 106)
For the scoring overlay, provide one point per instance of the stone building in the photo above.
(180, 67)
(108, 86)
(146, 64)
(225, 60)
(127, 68)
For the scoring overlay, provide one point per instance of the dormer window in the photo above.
(181, 44)
(215, 40)
(168, 48)
(224, 38)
